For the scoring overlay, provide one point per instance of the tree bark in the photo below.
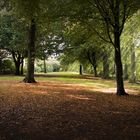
(16, 58)
(119, 70)
(29, 78)
(92, 59)
(22, 63)
(17, 66)
(95, 70)
(80, 70)
(118, 61)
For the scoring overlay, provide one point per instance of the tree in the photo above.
(49, 44)
(81, 45)
(30, 11)
(12, 34)
(35, 12)
(114, 14)
(111, 15)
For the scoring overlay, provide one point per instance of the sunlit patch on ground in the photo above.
(80, 97)
(113, 91)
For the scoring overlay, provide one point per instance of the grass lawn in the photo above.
(66, 106)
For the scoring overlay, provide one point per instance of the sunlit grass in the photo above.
(84, 82)
(63, 73)
(11, 78)
(73, 78)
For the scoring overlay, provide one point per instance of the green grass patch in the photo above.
(73, 78)
(11, 78)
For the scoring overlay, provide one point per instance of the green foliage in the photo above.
(6, 67)
(83, 45)
(73, 25)
(74, 67)
(50, 66)
(28, 9)
(130, 42)
(12, 34)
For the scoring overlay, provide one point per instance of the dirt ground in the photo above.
(58, 111)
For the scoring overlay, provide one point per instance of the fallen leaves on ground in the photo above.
(58, 111)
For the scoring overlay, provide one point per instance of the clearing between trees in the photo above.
(67, 107)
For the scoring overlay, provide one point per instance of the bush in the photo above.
(7, 67)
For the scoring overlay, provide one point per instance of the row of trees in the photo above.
(61, 22)
(86, 47)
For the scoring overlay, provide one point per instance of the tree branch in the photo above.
(125, 15)
(108, 32)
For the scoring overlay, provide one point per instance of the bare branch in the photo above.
(108, 33)
(107, 20)
(103, 38)
(125, 15)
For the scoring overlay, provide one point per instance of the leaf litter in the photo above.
(57, 111)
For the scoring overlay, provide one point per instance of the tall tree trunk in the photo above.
(133, 65)
(16, 57)
(95, 70)
(45, 68)
(17, 66)
(92, 59)
(31, 54)
(118, 61)
(80, 70)
(22, 63)
(105, 66)
(119, 70)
